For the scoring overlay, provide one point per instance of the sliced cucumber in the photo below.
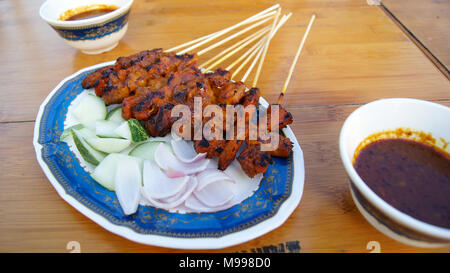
(105, 128)
(86, 133)
(90, 109)
(108, 145)
(146, 150)
(115, 115)
(123, 130)
(138, 133)
(105, 172)
(132, 130)
(87, 152)
(67, 133)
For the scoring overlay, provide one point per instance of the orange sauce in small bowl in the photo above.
(87, 12)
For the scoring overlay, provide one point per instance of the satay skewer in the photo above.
(263, 14)
(260, 20)
(201, 52)
(281, 23)
(266, 47)
(291, 70)
(235, 48)
(260, 49)
(249, 51)
(255, 48)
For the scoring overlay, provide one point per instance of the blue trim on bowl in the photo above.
(275, 188)
(94, 31)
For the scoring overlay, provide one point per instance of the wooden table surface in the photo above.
(354, 54)
(428, 21)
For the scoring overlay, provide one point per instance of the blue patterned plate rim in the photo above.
(268, 207)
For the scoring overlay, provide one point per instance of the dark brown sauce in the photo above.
(87, 12)
(411, 176)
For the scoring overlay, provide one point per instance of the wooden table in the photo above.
(428, 22)
(354, 54)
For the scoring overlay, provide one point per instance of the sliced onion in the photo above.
(196, 205)
(209, 176)
(185, 151)
(127, 185)
(173, 167)
(174, 202)
(215, 194)
(158, 185)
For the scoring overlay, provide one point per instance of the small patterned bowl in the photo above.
(389, 114)
(93, 35)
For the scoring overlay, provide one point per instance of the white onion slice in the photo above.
(181, 197)
(209, 176)
(215, 194)
(158, 185)
(173, 167)
(185, 151)
(127, 185)
(196, 205)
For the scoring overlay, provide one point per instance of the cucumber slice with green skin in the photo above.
(90, 109)
(146, 150)
(133, 130)
(115, 115)
(86, 133)
(87, 152)
(105, 128)
(108, 145)
(67, 133)
(105, 172)
(138, 133)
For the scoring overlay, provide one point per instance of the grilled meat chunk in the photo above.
(253, 161)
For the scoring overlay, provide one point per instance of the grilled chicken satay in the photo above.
(282, 149)
(93, 79)
(232, 146)
(253, 161)
(143, 69)
(212, 147)
(161, 122)
(284, 117)
(149, 84)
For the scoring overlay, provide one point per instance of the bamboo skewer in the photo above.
(259, 50)
(234, 51)
(280, 24)
(238, 46)
(254, 47)
(201, 52)
(253, 18)
(283, 91)
(192, 42)
(263, 57)
(249, 70)
(224, 31)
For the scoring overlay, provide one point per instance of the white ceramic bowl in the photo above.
(389, 114)
(93, 35)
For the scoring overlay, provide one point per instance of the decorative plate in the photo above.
(278, 195)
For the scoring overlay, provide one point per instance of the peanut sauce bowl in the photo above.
(93, 35)
(398, 115)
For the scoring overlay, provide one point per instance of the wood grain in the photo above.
(354, 55)
(428, 21)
